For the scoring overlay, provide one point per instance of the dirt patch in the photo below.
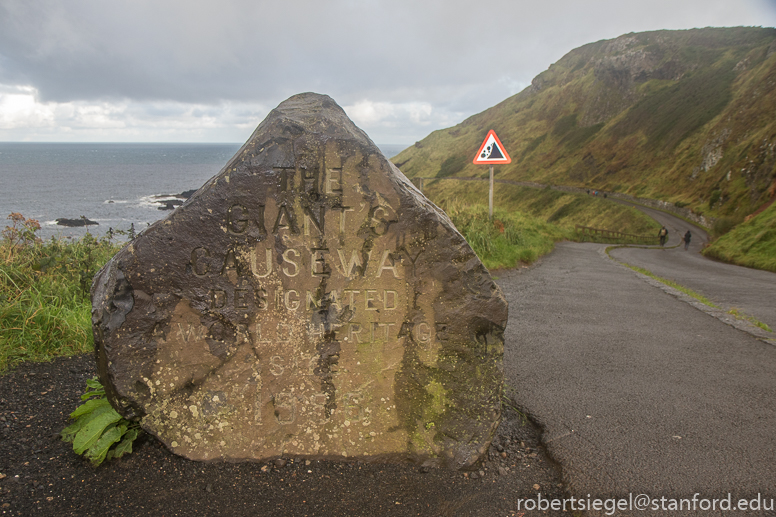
(42, 476)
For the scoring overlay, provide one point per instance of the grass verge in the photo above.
(44, 293)
(670, 283)
(511, 238)
(754, 321)
(689, 292)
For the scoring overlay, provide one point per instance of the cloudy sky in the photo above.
(210, 71)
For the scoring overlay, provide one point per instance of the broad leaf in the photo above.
(88, 407)
(97, 427)
(99, 449)
(69, 432)
(95, 393)
(125, 447)
(93, 429)
(94, 384)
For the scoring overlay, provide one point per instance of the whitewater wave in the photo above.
(157, 200)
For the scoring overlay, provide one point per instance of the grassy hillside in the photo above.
(681, 116)
(564, 210)
(752, 243)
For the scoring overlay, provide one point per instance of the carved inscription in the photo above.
(317, 262)
(314, 270)
(306, 301)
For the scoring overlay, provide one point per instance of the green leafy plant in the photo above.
(99, 432)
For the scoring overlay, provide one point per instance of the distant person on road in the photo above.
(663, 234)
(687, 237)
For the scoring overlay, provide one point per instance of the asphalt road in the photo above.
(637, 390)
(751, 291)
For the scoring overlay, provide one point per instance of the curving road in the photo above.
(751, 291)
(637, 390)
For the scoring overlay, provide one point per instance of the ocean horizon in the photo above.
(117, 185)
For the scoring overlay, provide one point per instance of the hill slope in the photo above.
(687, 117)
(751, 244)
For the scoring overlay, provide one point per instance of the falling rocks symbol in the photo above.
(306, 301)
(492, 152)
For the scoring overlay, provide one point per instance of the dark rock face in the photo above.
(306, 301)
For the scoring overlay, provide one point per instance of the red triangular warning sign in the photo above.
(492, 151)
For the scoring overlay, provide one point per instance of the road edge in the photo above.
(721, 314)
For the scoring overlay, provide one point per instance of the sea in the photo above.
(117, 185)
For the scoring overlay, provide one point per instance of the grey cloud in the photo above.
(459, 55)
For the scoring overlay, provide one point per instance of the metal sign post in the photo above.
(491, 152)
(490, 195)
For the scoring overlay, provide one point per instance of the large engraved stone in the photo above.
(306, 301)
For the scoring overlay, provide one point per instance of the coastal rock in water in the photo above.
(170, 205)
(306, 301)
(73, 223)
